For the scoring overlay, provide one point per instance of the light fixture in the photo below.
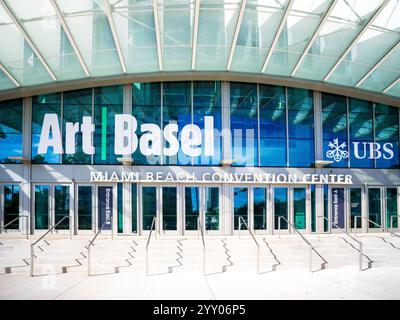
(125, 161)
(321, 163)
(19, 158)
(227, 162)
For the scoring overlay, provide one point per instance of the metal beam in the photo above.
(379, 63)
(391, 85)
(360, 34)
(114, 34)
(277, 35)
(195, 32)
(70, 37)
(5, 71)
(158, 37)
(236, 34)
(315, 36)
(28, 39)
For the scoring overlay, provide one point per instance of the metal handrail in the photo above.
(13, 220)
(43, 236)
(378, 225)
(200, 228)
(94, 238)
(254, 238)
(360, 244)
(311, 247)
(148, 243)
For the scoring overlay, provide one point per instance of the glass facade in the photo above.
(10, 130)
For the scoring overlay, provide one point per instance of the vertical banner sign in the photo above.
(105, 206)
(338, 207)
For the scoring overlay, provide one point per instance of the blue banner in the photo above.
(105, 207)
(338, 211)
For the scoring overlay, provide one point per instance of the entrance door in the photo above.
(392, 218)
(240, 207)
(355, 203)
(51, 204)
(84, 209)
(201, 202)
(374, 209)
(10, 207)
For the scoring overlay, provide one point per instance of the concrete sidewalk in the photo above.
(344, 283)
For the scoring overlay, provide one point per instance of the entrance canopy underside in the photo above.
(344, 43)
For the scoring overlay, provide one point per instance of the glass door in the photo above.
(169, 212)
(392, 218)
(192, 208)
(11, 206)
(51, 204)
(259, 209)
(280, 207)
(148, 206)
(299, 208)
(212, 222)
(240, 207)
(374, 209)
(355, 203)
(84, 209)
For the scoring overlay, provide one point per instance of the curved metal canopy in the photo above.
(348, 43)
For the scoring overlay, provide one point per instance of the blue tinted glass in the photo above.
(240, 207)
(260, 208)
(244, 123)
(301, 127)
(146, 108)
(207, 102)
(272, 126)
(76, 104)
(177, 110)
(361, 133)
(387, 136)
(334, 128)
(47, 103)
(108, 101)
(10, 130)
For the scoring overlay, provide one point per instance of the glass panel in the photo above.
(192, 207)
(343, 25)
(76, 104)
(326, 208)
(302, 21)
(280, 207)
(301, 127)
(40, 19)
(334, 130)
(299, 206)
(120, 209)
(134, 208)
(61, 206)
(89, 26)
(207, 102)
(5, 82)
(260, 208)
(149, 206)
(17, 56)
(386, 121)
(85, 208)
(134, 22)
(272, 126)
(169, 200)
(146, 108)
(244, 123)
(240, 207)
(10, 130)
(217, 22)
(108, 102)
(177, 110)
(392, 220)
(313, 210)
(374, 207)
(361, 133)
(355, 207)
(47, 103)
(260, 23)
(42, 207)
(176, 28)
(212, 208)
(11, 206)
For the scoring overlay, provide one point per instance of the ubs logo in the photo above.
(361, 150)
